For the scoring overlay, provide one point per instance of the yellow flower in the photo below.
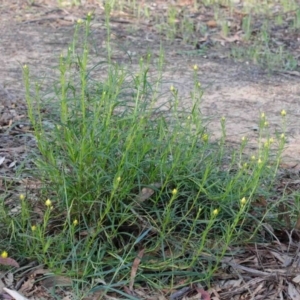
(48, 203)
(172, 89)
(223, 119)
(215, 212)
(283, 113)
(259, 161)
(75, 222)
(262, 115)
(199, 85)
(4, 254)
(245, 165)
(33, 228)
(79, 21)
(271, 140)
(205, 137)
(119, 179)
(266, 123)
(243, 201)
(244, 139)
(282, 136)
(253, 157)
(195, 67)
(22, 197)
(90, 13)
(174, 192)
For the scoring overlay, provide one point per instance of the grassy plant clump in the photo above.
(123, 171)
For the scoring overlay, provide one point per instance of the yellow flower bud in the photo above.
(283, 113)
(4, 254)
(48, 203)
(205, 137)
(243, 201)
(174, 192)
(215, 212)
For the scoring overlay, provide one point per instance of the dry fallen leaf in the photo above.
(2, 285)
(147, 192)
(293, 292)
(12, 164)
(8, 279)
(14, 294)
(55, 280)
(2, 159)
(135, 267)
(28, 285)
(211, 24)
(180, 293)
(144, 194)
(8, 262)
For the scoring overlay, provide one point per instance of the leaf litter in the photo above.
(261, 271)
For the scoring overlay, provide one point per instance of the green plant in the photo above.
(124, 172)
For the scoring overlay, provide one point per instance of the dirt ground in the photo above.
(36, 35)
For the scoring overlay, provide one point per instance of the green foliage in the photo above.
(124, 171)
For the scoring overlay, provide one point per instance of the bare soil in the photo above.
(36, 35)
